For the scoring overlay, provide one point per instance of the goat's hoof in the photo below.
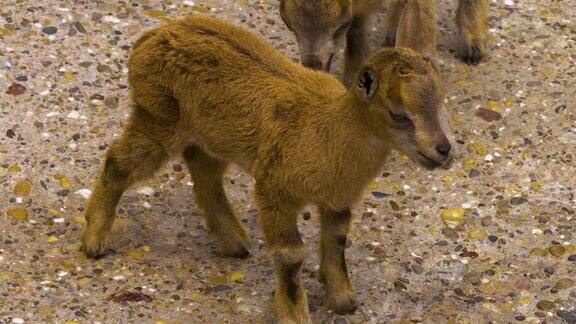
(343, 304)
(234, 249)
(93, 246)
(472, 53)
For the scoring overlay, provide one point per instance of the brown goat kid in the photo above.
(321, 26)
(216, 95)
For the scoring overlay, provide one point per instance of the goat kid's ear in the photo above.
(368, 82)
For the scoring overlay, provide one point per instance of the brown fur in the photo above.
(412, 23)
(321, 25)
(216, 94)
(472, 22)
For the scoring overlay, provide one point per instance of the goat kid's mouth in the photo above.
(329, 63)
(430, 163)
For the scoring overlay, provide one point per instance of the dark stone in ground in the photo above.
(518, 201)
(219, 288)
(50, 30)
(63, 193)
(568, 316)
(379, 194)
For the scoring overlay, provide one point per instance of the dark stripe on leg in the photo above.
(290, 274)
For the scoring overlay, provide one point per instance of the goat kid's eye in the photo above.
(399, 118)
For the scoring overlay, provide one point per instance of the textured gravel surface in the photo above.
(492, 239)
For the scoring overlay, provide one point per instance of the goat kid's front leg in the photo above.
(340, 294)
(278, 219)
(417, 26)
(393, 12)
(356, 48)
(472, 22)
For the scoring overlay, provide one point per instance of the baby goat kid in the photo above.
(216, 95)
(322, 26)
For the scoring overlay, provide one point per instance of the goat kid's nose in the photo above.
(444, 149)
(312, 61)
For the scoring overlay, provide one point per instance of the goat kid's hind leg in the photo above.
(278, 220)
(356, 48)
(472, 23)
(340, 294)
(224, 226)
(131, 158)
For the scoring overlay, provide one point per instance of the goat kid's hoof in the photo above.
(273, 317)
(301, 319)
(94, 247)
(237, 250)
(472, 53)
(344, 304)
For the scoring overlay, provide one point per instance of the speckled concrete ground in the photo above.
(505, 252)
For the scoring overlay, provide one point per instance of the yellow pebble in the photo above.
(452, 217)
(477, 234)
(22, 188)
(524, 301)
(557, 250)
(219, 280)
(536, 184)
(472, 147)
(236, 276)
(493, 105)
(53, 211)
(447, 178)
(19, 214)
(68, 75)
(5, 275)
(468, 163)
(63, 181)
(51, 239)
(508, 102)
(373, 186)
(539, 252)
(136, 254)
(507, 308)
